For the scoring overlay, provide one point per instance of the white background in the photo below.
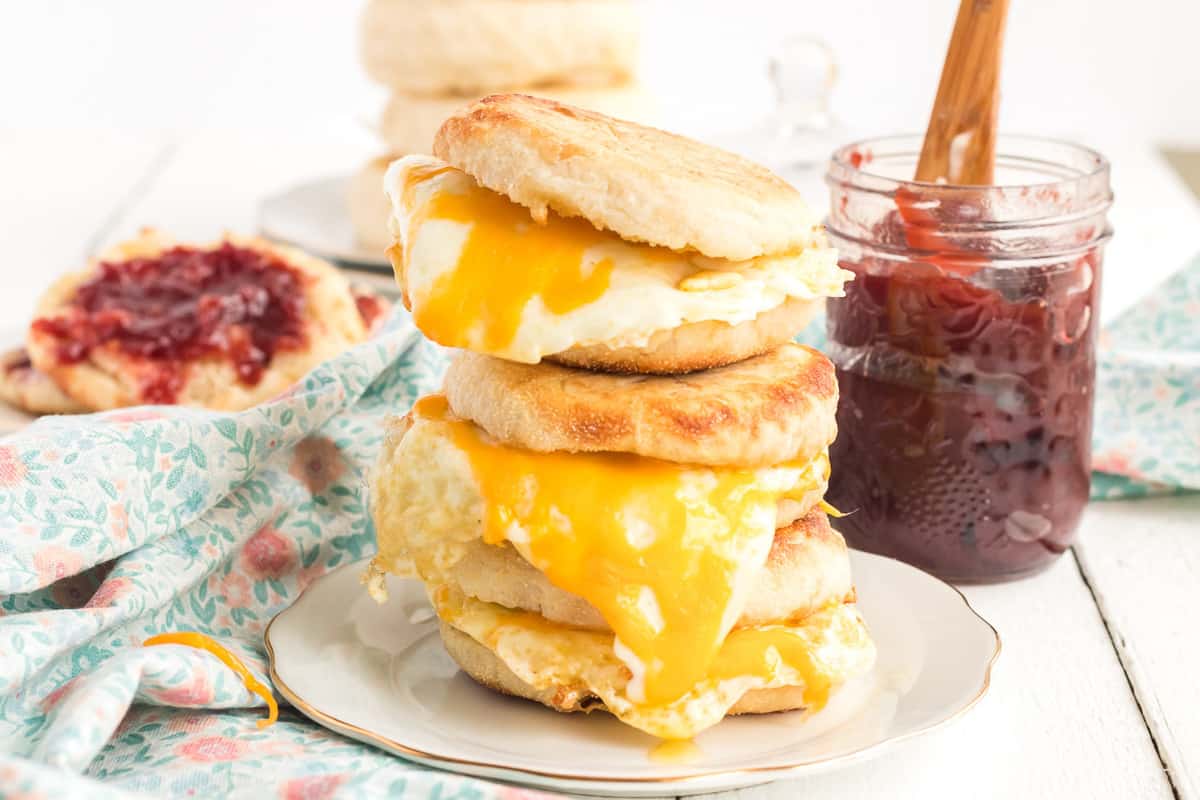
(230, 77)
(1092, 70)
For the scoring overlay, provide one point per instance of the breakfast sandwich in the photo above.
(616, 500)
(539, 230)
(653, 546)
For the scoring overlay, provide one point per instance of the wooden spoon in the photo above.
(960, 143)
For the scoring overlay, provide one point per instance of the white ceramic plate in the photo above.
(379, 674)
(314, 217)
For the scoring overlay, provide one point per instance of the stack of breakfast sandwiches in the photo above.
(616, 501)
(436, 58)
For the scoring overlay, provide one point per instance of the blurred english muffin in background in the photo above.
(470, 47)
(786, 398)
(369, 207)
(409, 121)
(438, 58)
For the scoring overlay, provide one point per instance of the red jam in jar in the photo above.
(965, 348)
(184, 304)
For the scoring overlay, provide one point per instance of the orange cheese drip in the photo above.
(758, 652)
(829, 509)
(653, 545)
(202, 642)
(675, 751)
(507, 261)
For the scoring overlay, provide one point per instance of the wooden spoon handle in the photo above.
(960, 143)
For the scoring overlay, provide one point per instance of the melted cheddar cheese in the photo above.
(209, 645)
(506, 261)
(479, 272)
(663, 551)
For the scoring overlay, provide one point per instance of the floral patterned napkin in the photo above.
(1147, 427)
(122, 525)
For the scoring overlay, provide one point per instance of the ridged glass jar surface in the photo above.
(965, 349)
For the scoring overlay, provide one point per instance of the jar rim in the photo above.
(1007, 221)
(843, 159)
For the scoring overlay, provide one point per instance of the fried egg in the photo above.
(479, 272)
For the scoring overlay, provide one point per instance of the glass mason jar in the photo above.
(965, 349)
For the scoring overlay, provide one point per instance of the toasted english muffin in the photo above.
(807, 569)
(487, 669)
(644, 184)
(695, 346)
(108, 376)
(476, 46)
(764, 410)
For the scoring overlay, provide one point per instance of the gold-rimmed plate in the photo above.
(379, 674)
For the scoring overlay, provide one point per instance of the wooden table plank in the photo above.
(1059, 720)
(1142, 558)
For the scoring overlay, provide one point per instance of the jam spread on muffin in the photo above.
(371, 307)
(184, 304)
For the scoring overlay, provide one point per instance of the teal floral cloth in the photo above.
(1147, 426)
(119, 526)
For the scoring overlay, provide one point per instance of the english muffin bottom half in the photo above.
(544, 231)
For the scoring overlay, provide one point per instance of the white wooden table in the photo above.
(1097, 691)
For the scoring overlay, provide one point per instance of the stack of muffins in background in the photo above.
(437, 57)
(616, 501)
